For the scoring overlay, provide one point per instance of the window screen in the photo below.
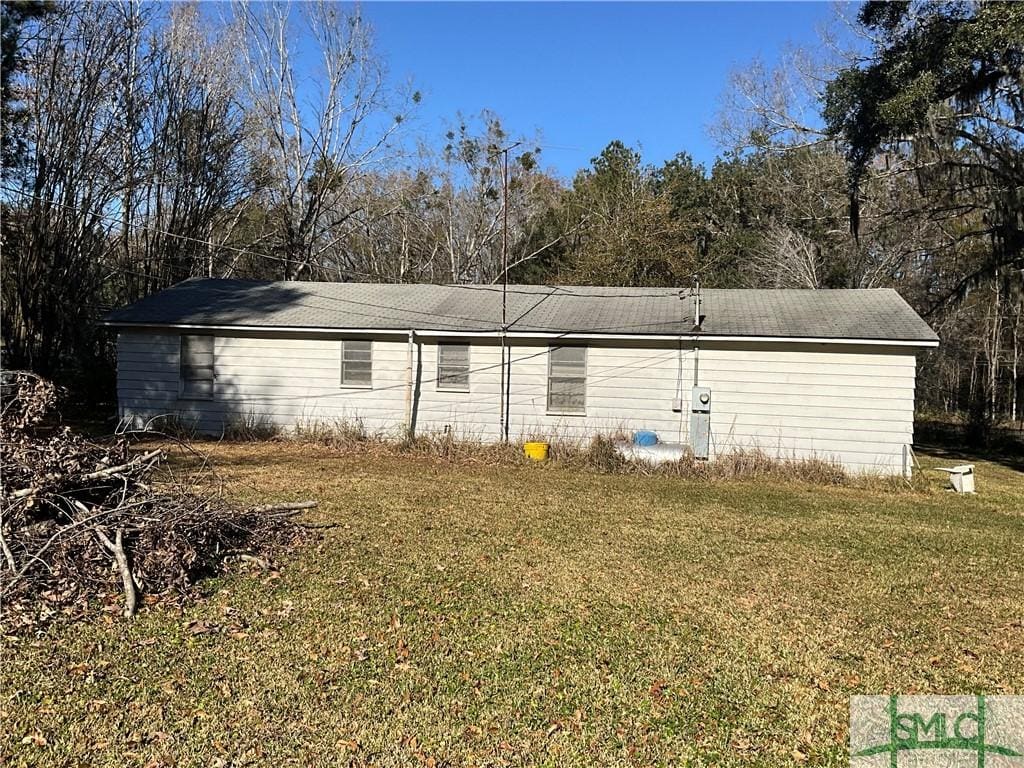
(453, 367)
(567, 379)
(196, 367)
(356, 363)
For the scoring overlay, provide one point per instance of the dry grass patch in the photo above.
(597, 455)
(465, 611)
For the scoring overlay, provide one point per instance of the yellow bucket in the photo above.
(536, 451)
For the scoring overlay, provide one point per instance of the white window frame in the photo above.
(185, 391)
(562, 411)
(341, 372)
(448, 386)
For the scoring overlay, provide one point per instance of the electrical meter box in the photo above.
(700, 421)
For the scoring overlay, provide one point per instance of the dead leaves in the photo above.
(491, 672)
(35, 739)
(401, 654)
(657, 691)
(98, 706)
(347, 745)
(198, 627)
(71, 504)
(236, 630)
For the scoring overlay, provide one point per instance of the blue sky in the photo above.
(583, 74)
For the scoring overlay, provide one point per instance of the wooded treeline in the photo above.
(147, 143)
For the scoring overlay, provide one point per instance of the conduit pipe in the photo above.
(409, 385)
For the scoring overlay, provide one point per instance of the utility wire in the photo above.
(481, 323)
(608, 373)
(568, 291)
(401, 311)
(540, 292)
(118, 220)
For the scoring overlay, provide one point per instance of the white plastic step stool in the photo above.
(961, 477)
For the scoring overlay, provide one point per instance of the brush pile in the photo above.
(86, 523)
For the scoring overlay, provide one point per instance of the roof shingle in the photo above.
(875, 314)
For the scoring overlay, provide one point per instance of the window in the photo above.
(453, 367)
(195, 367)
(357, 363)
(567, 380)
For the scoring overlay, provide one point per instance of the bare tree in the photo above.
(779, 107)
(1016, 342)
(58, 239)
(473, 192)
(394, 236)
(443, 219)
(190, 136)
(313, 130)
(786, 258)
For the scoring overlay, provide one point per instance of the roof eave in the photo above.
(496, 333)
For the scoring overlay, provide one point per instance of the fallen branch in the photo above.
(91, 514)
(136, 462)
(288, 506)
(116, 548)
(38, 556)
(8, 555)
(262, 562)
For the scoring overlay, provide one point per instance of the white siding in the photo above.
(854, 404)
(270, 379)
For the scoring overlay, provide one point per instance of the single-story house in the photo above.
(795, 373)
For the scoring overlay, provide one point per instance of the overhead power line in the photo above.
(118, 220)
(607, 374)
(403, 312)
(568, 291)
(426, 314)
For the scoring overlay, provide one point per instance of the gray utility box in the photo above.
(700, 421)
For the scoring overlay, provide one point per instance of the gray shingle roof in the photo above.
(877, 314)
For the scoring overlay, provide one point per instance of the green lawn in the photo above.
(468, 614)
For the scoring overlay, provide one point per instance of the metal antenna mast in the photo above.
(505, 363)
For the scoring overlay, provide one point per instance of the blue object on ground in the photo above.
(645, 437)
